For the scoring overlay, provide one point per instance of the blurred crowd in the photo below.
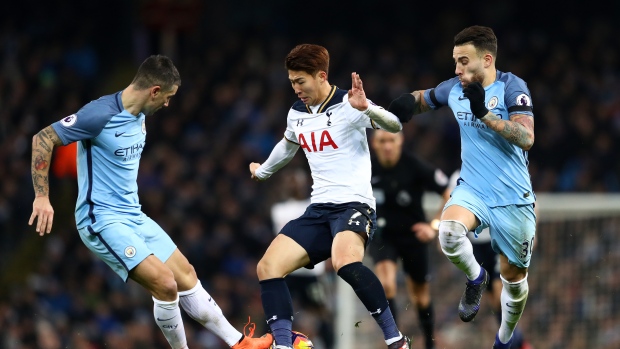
(230, 111)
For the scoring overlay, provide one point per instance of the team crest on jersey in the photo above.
(524, 100)
(69, 120)
(130, 251)
(144, 126)
(492, 102)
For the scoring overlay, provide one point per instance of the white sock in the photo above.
(457, 247)
(201, 307)
(395, 339)
(168, 318)
(513, 297)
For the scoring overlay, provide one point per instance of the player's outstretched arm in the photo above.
(358, 100)
(409, 104)
(281, 154)
(43, 144)
(519, 130)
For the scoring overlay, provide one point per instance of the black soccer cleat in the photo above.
(470, 301)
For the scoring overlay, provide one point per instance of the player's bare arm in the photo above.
(43, 144)
(357, 99)
(519, 130)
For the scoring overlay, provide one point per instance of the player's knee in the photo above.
(165, 286)
(340, 261)
(390, 290)
(510, 272)
(451, 235)
(389, 285)
(266, 269)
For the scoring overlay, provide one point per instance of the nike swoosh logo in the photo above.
(512, 306)
(118, 134)
(462, 98)
(158, 319)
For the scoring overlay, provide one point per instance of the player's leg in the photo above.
(193, 298)
(283, 256)
(384, 255)
(386, 271)
(310, 293)
(200, 306)
(463, 213)
(416, 265)
(155, 277)
(128, 255)
(512, 300)
(347, 254)
(518, 340)
(420, 295)
(512, 232)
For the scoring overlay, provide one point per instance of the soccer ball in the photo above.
(300, 341)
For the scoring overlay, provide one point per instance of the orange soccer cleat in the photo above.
(248, 342)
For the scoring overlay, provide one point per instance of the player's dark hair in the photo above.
(157, 70)
(483, 39)
(308, 58)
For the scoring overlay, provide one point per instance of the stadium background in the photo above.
(56, 56)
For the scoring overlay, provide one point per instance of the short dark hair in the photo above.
(483, 39)
(308, 58)
(157, 70)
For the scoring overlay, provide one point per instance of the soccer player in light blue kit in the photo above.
(111, 135)
(494, 112)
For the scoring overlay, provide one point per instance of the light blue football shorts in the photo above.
(512, 227)
(124, 244)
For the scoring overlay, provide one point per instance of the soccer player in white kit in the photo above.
(329, 124)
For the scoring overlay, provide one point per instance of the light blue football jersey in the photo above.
(494, 167)
(110, 143)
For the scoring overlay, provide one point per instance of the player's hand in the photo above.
(475, 93)
(42, 209)
(403, 107)
(357, 96)
(253, 167)
(424, 232)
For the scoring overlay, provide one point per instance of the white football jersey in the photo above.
(333, 137)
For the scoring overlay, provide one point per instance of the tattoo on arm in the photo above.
(42, 147)
(45, 146)
(52, 135)
(519, 130)
(420, 105)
